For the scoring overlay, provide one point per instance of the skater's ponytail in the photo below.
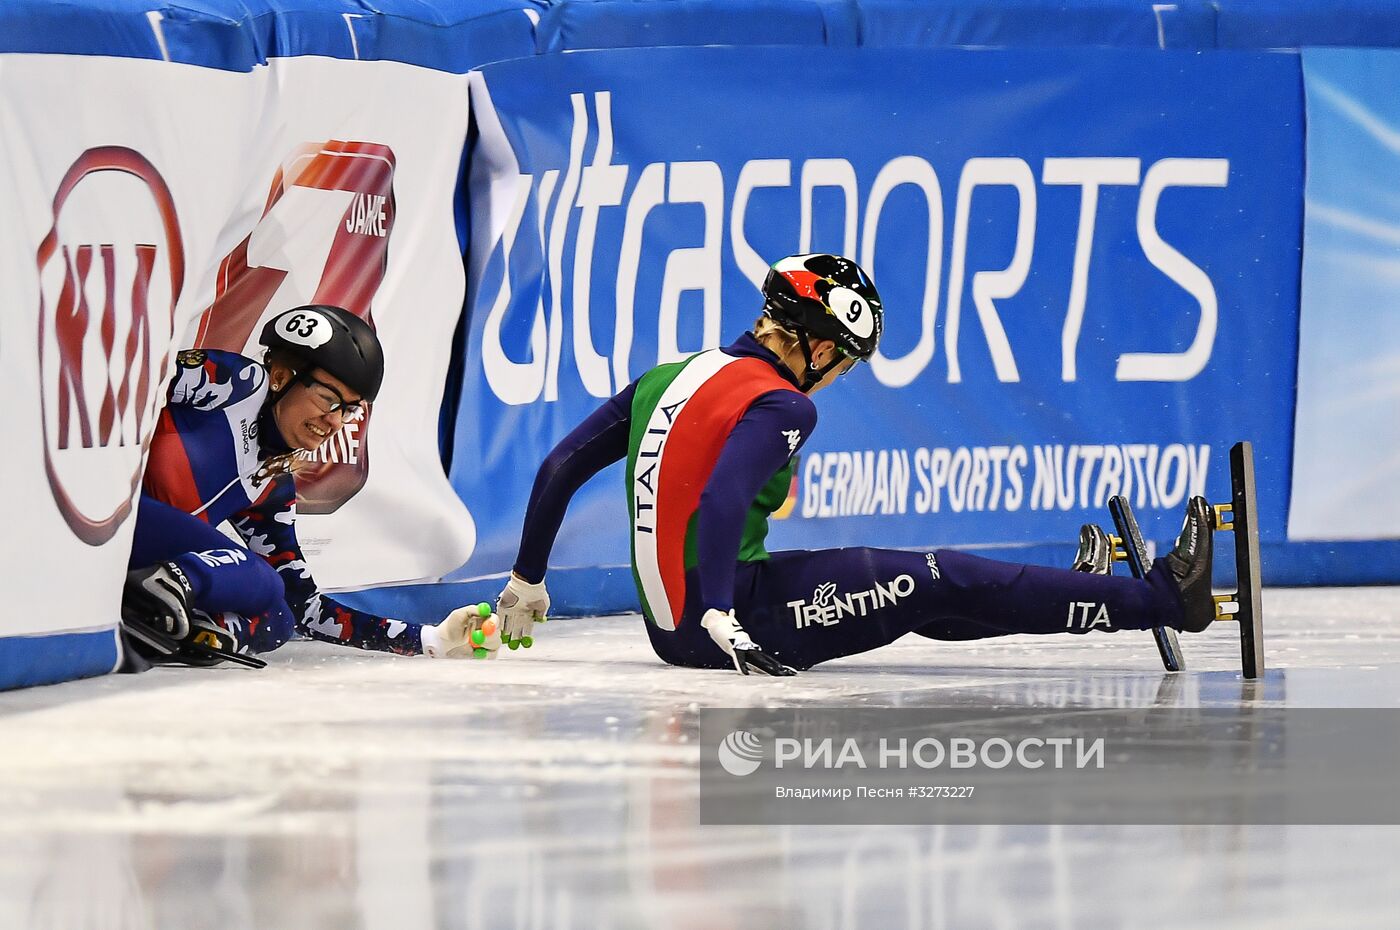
(775, 335)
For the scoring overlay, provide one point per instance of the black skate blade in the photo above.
(158, 643)
(1249, 597)
(224, 654)
(1168, 646)
(165, 650)
(1241, 517)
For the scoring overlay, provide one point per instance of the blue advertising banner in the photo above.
(1088, 258)
(1347, 450)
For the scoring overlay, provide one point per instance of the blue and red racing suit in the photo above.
(218, 456)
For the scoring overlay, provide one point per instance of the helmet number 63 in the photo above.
(300, 324)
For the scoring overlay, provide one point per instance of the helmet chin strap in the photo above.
(812, 375)
(274, 393)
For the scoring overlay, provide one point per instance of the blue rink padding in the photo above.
(1298, 23)
(458, 35)
(239, 35)
(1116, 23)
(1183, 24)
(44, 660)
(574, 592)
(596, 24)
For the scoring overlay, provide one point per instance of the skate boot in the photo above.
(213, 639)
(1190, 563)
(1095, 555)
(206, 641)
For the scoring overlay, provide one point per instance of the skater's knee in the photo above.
(271, 591)
(269, 630)
(695, 661)
(692, 658)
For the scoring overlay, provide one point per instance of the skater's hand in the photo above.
(520, 605)
(159, 596)
(467, 633)
(725, 630)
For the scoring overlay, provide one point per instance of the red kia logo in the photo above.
(110, 273)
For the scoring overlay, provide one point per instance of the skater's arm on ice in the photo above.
(773, 428)
(268, 528)
(596, 443)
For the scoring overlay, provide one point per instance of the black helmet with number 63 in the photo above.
(826, 297)
(332, 339)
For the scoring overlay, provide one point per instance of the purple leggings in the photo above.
(811, 607)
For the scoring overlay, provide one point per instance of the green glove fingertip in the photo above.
(514, 644)
(527, 641)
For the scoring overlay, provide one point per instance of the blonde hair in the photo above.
(287, 463)
(768, 330)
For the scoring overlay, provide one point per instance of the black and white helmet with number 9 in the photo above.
(821, 296)
(332, 339)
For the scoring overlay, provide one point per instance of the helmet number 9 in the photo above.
(849, 306)
(307, 328)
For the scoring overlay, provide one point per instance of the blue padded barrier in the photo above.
(593, 24)
(1297, 23)
(458, 35)
(238, 35)
(81, 27)
(996, 23)
(42, 660)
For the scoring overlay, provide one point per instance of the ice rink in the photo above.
(558, 789)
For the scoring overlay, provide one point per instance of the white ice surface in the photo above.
(558, 788)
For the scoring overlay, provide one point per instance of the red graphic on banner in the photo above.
(70, 372)
(323, 238)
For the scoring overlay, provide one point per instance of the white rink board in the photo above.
(178, 160)
(55, 580)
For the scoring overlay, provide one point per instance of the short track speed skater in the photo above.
(1244, 606)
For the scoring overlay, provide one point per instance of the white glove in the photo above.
(467, 633)
(520, 605)
(725, 630)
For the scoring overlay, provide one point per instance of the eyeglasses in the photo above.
(329, 400)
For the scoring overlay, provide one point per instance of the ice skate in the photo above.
(1095, 555)
(207, 642)
(1190, 564)
(214, 639)
(1129, 546)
